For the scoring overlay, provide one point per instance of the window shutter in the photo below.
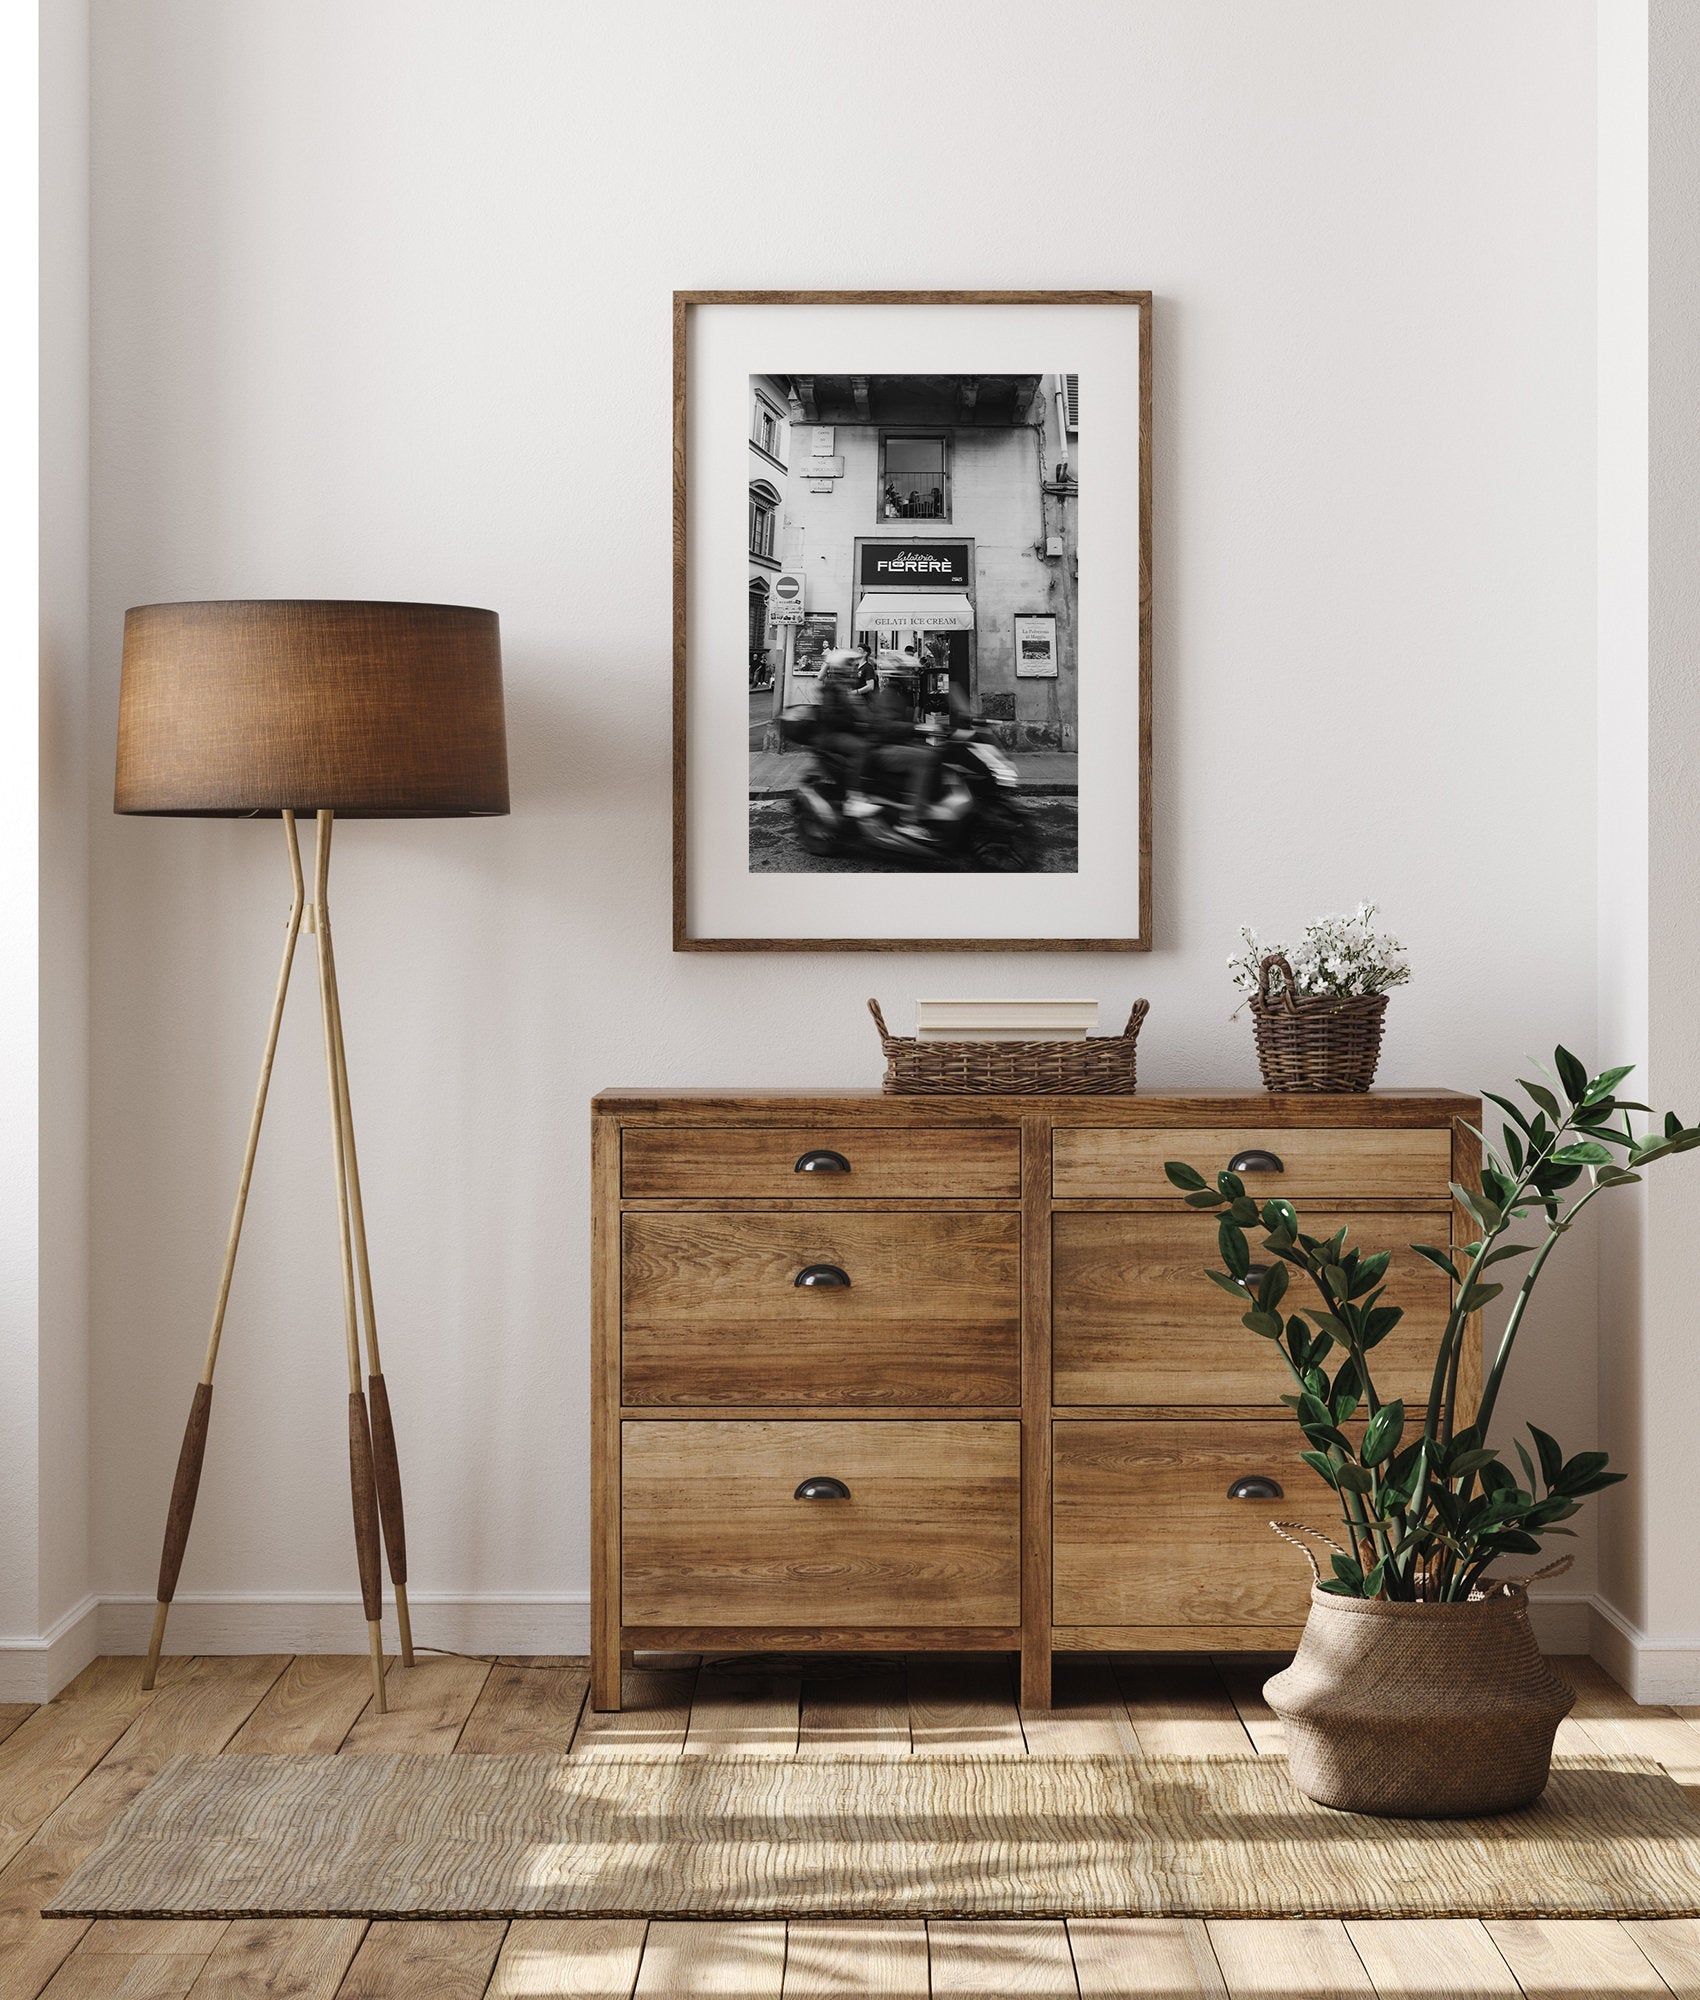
(1071, 400)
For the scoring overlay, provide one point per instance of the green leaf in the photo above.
(1354, 1478)
(1606, 1082)
(1321, 1464)
(1230, 1240)
(1438, 1258)
(1539, 1093)
(1231, 1286)
(1370, 1272)
(1231, 1186)
(1505, 1104)
(1382, 1434)
(1528, 1467)
(1474, 1297)
(1552, 1458)
(1466, 1462)
(1267, 1324)
(1582, 1153)
(1335, 1279)
(1188, 1179)
(1273, 1288)
(1503, 1250)
(1281, 1216)
(1571, 1074)
(1485, 1211)
(1348, 1571)
(1204, 1200)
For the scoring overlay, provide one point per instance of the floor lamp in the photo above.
(320, 709)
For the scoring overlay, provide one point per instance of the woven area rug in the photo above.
(848, 1836)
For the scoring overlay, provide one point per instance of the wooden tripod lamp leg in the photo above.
(386, 1465)
(360, 1470)
(187, 1482)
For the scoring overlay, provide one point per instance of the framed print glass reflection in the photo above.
(912, 708)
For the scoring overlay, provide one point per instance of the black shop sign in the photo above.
(912, 564)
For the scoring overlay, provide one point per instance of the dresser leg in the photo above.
(605, 1665)
(1036, 1672)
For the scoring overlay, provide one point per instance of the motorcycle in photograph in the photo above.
(974, 819)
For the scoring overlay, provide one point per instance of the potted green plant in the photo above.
(1317, 1007)
(1418, 1688)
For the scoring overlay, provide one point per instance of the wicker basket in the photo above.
(1316, 1044)
(1099, 1066)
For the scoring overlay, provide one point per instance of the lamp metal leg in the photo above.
(361, 1478)
(186, 1483)
(386, 1463)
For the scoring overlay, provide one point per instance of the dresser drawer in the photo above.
(712, 1311)
(1355, 1164)
(818, 1162)
(1135, 1320)
(712, 1534)
(1144, 1533)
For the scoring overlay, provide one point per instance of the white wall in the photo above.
(381, 309)
(1649, 878)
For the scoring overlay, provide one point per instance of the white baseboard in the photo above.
(1650, 1670)
(238, 1622)
(1563, 1624)
(36, 1669)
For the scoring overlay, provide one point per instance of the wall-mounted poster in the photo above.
(945, 743)
(1035, 647)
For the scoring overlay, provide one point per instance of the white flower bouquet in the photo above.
(1341, 957)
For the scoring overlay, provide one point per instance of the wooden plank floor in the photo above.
(67, 1768)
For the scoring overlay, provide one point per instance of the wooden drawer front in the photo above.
(1356, 1164)
(712, 1313)
(1145, 1535)
(712, 1534)
(761, 1161)
(1135, 1320)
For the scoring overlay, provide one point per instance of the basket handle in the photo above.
(1316, 1534)
(879, 1020)
(1140, 1009)
(1265, 997)
(1505, 1585)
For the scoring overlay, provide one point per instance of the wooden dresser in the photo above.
(909, 1373)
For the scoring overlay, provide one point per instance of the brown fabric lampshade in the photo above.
(249, 707)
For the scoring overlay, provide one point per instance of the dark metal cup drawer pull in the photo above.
(822, 1161)
(1255, 1275)
(830, 1275)
(1257, 1161)
(1256, 1486)
(822, 1488)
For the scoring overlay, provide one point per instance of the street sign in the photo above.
(788, 588)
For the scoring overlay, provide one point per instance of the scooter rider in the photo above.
(845, 681)
(891, 720)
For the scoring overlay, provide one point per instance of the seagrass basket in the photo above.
(1099, 1066)
(1317, 1042)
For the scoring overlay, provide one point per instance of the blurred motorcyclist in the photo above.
(842, 707)
(891, 723)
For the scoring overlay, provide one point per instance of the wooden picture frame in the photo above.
(1129, 873)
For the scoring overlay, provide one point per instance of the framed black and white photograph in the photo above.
(924, 722)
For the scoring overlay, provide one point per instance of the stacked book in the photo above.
(1005, 1020)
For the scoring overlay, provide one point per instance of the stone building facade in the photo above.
(946, 508)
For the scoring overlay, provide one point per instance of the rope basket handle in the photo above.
(1505, 1585)
(879, 1021)
(1281, 1528)
(1289, 992)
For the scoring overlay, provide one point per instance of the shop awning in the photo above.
(915, 611)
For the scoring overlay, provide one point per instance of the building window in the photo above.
(765, 429)
(914, 478)
(1071, 401)
(758, 627)
(764, 511)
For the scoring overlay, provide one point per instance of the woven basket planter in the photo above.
(1099, 1066)
(1317, 1043)
(1420, 1711)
